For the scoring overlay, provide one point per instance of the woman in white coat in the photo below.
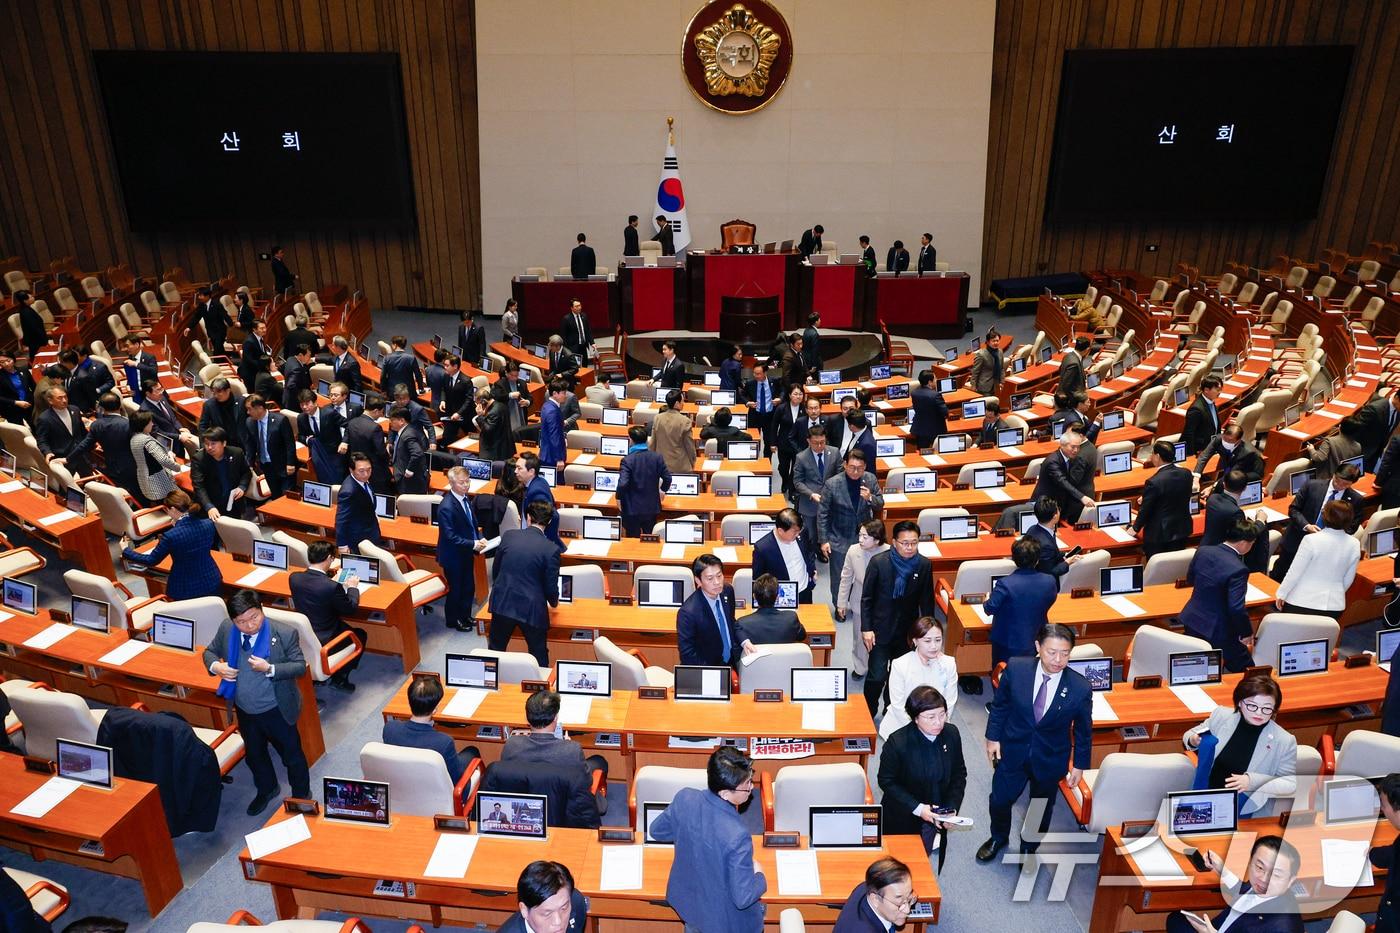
(869, 542)
(1246, 750)
(1325, 565)
(925, 665)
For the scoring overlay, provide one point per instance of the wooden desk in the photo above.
(315, 875)
(128, 823)
(925, 306)
(161, 678)
(544, 304)
(632, 551)
(81, 540)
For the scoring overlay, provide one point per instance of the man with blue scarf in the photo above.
(898, 590)
(258, 662)
(641, 483)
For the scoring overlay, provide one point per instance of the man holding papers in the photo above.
(325, 602)
(458, 543)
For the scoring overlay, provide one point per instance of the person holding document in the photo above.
(922, 772)
(458, 543)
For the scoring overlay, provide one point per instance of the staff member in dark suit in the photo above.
(987, 366)
(139, 368)
(881, 902)
(458, 543)
(325, 602)
(630, 240)
(400, 368)
(111, 431)
(355, 520)
(258, 663)
(1261, 903)
(471, 337)
(492, 422)
(549, 902)
(810, 471)
(1038, 708)
(897, 259)
(706, 631)
(215, 318)
(525, 584)
(1387, 472)
(217, 472)
(255, 350)
(296, 376)
(545, 745)
(242, 311)
(363, 435)
(664, 236)
(410, 447)
(767, 625)
(1061, 475)
(574, 326)
(784, 423)
(1020, 603)
(1388, 913)
(222, 409)
(1047, 520)
(1305, 512)
(1378, 421)
(189, 542)
(928, 256)
(922, 771)
(849, 499)
(16, 391)
(33, 334)
(301, 334)
(812, 343)
(781, 555)
(642, 480)
(267, 435)
(162, 412)
(731, 370)
(458, 405)
(90, 378)
(1223, 511)
(930, 410)
(282, 278)
(898, 589)
(1164, 517)
(1232, 452)
(59, 431)
(1216, 610)
(672, 375)
(561, 363)
(344, 367)
(1072, 368)
(810, 241)
(762, 396)
(1202, 418)
(322, 431)
(582, 261)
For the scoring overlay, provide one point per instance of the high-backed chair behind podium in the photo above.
(737, 233)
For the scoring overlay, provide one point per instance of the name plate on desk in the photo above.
(38, 765)
(1004, 532)
(1147, 682)
(651, 693)
(583, 487)
(822, 641)
(615, 834)
(619, 600)
(1182, 583)
(651, 539)
(1083, 526)
(1358, 660)
(961, 487)
(1081, 592)
(784, 840)
(734, 541)
(745, 249)
(973, 599)
(451, 823)
(762, 695)
(533, 686)
(723, 493)
(857, 745)
(295, 805)
(1259, 670)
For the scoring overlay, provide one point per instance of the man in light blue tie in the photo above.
(758, 397)
(457, 546)
(705, 629)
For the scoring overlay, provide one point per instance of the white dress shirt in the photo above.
(796, 564)
(1050, 688)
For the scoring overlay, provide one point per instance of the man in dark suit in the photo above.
(267, 436)
(300, 334)
(643, 479)
(672, 375)
(363, 435)
(525, 583)
(495, 441)
(59, 431)
(1072, 367)
(928, 256)
(992, 422)
(1020, 603)
(1039, 707)
(33, 333)
(561, 363)
(355, 520)
(91, 378)
(548, 900)
(867, 255)
(1223, 510)
(1164, 517)
(582, 261)
(527, 471)
(781, 555)
(665, 236)
(325, 602)
(761, 395)
(322, 431)
(812, 343)
(850, 498)
(706, 629)
(215, 318)
(1385, 856)
(163, 415)
(1047, 519)
(400, 368)
(222, 409)
(345, 368)
(858, 435)
(1216, 610)
(16, 391)
(410, 462)
(553, 450)
(1305, 512)
(296, 376)
(217, 472)
(471, 337)
(767, 625)
(898, 590)
(424, 696)
(1202, 418)
(282, 278)
(139, 368)
(630, 244)
(544, 747)
(810, 471)
(458, 404)
(897, 259)
(1232, 452)
(1379, 419)
(258, 663)
(458, 543)
(576, 331)
(255, 350)
(1061, 475)
(110, 431)
(930, 410)
(811, 241)
(1262, 902)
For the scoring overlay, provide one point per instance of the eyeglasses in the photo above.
(903, 906)
(1257, 709)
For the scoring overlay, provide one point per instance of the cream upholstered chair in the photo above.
(774, 669)
(206, 612)
(1363, 753)
(170, 293)
(929, 518)
(322, 660)
(630, 669)
(651, 251)
(1148, 407)
(742, 581)
(241, 920)
(238, 535)
(571, 517)
(1085, 572)
(975, 576)
(418, 777)
(424, 586)
(588, 580)
(1167, 567)
(540, 271)
(410, 505)
(1150, 651)
(119, 518)
(514, 666)
(579, 473)
(296, 549)
(580, 439)
(1279, 627)
(48, 899)
(1114, 447)
(727, 480)
(789, 797)
(790, 921)
(1344, 921)
(123, 605)
(662, 572)
(49, 715)
(737, 525)
(660, 784)
(1282, 476)
(17, 561)
(1126, 786)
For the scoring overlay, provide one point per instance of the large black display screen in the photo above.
(257, 141)
(1195, 134)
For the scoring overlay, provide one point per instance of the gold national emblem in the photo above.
(737, 53)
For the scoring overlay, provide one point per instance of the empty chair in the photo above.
(579, 473)
(774, 669)
(587, 579)
(1344, 921)
(119, 518)
(49, 899)
(742, 582)
(629, 668)
(789, 796)
(727, 480)
(1282, 476)
(1126, 786)
(790, 921)
(206, 612)
(660, 784)
(929, 518)
(738, 525)
(583, 440)
(49, 715)
(571, 518)
(659, 572)
(1363, 754)
(1085, 572)
(122, 604)
(421, 784)
(1114, 447)
(1279, 627)
(425, 586)
(323, 661)
(238, 535)
(1148, 406)
(514, 666)
(1149, 653)
(416, 506)
(975, 576)
(1167, 567)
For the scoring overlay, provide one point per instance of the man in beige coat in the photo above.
(670, 435)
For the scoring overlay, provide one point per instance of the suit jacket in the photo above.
(569, 801)
(807, 479)
(411, 456)
(1061, 481)
(355, 520)
(1387, 473)
(54, 438)
(281, 445)
(1304, 511)
(137, 369)
(10, 394)
(332, 428)
(458, 397)
(228, 415)
(32, 326)
(577, 339)
(672, 375)
(562, 363)
(1019, 605)
(1044, 745)
(322, 600)
(985, 378)
(552, 444)
(631, 245)
(582, 263)
(897, 260)
(1200, 426)
(784, 422)
(1051, 560)
(298, 336)
(457, 535)
(731, 374)
(539, 490)
(210, 488)
(712, 885)
(809, 243)
(670, 437)
(812, 348)
(768, 558)
(1216, 611)
(1222, 511)
(113, 434)
(295, 378)
(364, 435)
(163, 416)
(578, 904)
(525, 578)
(89, 381)
(400, 368)
(667, 239)
(1376, 428)
(771, 627)
(840, 518)
(189, 543)
(282, 277)
(254, 351)
(497, 439)
(472, 340)
(1071, 373)
(164, 750)
(1245, 458)
(1272, 767)
(697, 630)
(884, 614)
(857, 916)
(216, 323)
(643, 476)
(987, 434)
(914, 771)
(1329, 455)
(930, 414)
(928, 258)
(283, 653)
(1165, 513)
(1276, 915)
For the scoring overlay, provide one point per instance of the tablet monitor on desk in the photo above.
(316, 493)
(872, 417)
(889, 446)
(1112, 514)
(617, 417)
(695, 682)
(722, 397)
(270, 554)
(1298, 480)
(1302, 657)
(740, 420)
(1117, 463)
(540, 350)
(1120, 581)
(613, 446)
(1201, 812)
(951, 353)
(468, 670)
(1350, 800)
(606, 480)
(566, 587)
(356, 398)
(810, 684)
(1253, 493)
(660, 593)
(1018, 365)
(20, 596)
(1025, 521)
(1113, 420)
(551, 476)
(920, 481)
(711, 379)
(828, 377)
(90, 613)
(758, 487)
(1046, 352)
(1098, 671)
(477, 468)
(660, 395)
(651, 809)
(787, 595)
(79, 761)
(323, 388)
(1022, 401)
(684, 484)
(355, 801)
(741, 450)
(758, 530)
(974, 409)
(166, 441)
(957, 528)
(37, 480)
(1185, 668)
(1011, 437)
(602, 528)
(1387, 641)
(989, 478)
(172, 632)
(366, 568)
(583, 678)
(1057, 428)
(383, 505)
(1091, 381)
(900, 390)
(1179, 452)
(945, 384)
(1179, 398)
(840, 395)
(677, 531)
(879, 371)
(517, 343)
(75, 500)
(1358, 462)
(855, 826)
(1291, 414)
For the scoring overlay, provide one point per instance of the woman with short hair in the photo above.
(922, 773)
(1244, 749)
(925, 664)
(1317, 581)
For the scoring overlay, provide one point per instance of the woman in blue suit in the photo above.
(189, 542)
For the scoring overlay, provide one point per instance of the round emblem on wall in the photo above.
(736, 56)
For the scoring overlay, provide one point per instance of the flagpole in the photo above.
(670, 131)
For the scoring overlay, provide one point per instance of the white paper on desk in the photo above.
(477, 485)
(464, 703)
(1156, 861)
(935, 460)
(584, 547)
(1270, 515)
(981, 612)
(255, 576)
(797, 872)
(686, 741)
(1195, 698)
(49, 636)
(584, 459)
(867, 385)
(12, 486)
(1120, 534)
(1124, 606)
(819, 716)
(883, 404)
(1103, 710)
(452, 856)
(1357, 383)
(894, 463)
(711, 464)
(1334, 415)
(44, 798)
(1101, 390)
(574, 709)
(748, 659)
(1345, 865)
(621, 869)
(277, 837)
(747, 503)
(57, 517)
(124, 652)
(600, 498)
(892, 497)
(998, 495)
(1252, 594)
(1012, 451)
(928, 548)
(727, 554)
(673, 552)
(643, 406)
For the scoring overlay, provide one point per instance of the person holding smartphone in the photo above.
(1259, 903)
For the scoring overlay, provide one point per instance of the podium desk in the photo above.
(544, 304)
(120, 831)
(653, 297)
(928, 305)
(713, 276)
(315, 875)
(77, 538)
(1136, 901)
(161, 678)
(836, 291)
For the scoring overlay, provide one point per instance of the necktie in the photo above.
(262, 440)
(718, 608)
(368, 491)
(1331, 494)
(1392, 418)
(1214, 419)
(821, 471)
(316, 424)
(1041, 697)
(471, 519)
(247, 643)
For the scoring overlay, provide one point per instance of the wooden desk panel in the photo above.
(81, 540)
